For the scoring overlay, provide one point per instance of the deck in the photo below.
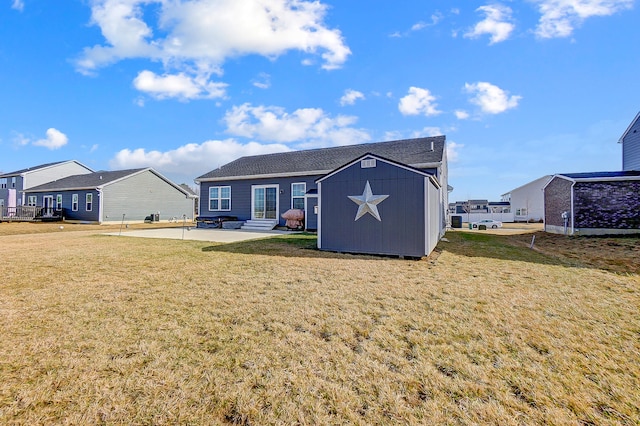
(30, 214)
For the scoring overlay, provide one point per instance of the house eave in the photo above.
(263, 176)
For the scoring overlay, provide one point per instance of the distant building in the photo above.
(527, 201)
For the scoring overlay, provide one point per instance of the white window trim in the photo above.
(88, 207)
(34, 202)
(298, 196)
(75, 201)
(219, 198)
(58, 201)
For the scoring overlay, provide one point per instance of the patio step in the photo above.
(260, 224)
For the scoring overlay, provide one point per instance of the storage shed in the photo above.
(373, 205)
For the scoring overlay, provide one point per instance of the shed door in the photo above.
(264, 202)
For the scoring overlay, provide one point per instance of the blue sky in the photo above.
(520, 88)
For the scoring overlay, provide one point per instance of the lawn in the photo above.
(102, 329)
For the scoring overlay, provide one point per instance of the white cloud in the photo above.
(18, 5)
(55, 139)
(350, 97)
(461, 114)
(196, 37)
(560, 17)
(418, 101)
(307, 127)
(496, 23)
(491, 99)
(178, 86)
(192, 159)
(263, 81)
(453, 151)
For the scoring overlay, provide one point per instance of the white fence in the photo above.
(475, 217)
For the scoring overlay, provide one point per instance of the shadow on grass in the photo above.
(617, 254)
(465, 244)
(294, 245)
(491, 246)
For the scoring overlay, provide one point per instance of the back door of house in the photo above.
(264, 202)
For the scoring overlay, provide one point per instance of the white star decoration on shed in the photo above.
(367, 203)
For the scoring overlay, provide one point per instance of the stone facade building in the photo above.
(593, 203)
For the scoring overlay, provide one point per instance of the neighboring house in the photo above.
(14, 184)
(593, 203)
(377, 206)
(630, 141)
(113, 196)
(527, 201)
(258, 189)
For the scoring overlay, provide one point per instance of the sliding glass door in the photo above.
(264, 202)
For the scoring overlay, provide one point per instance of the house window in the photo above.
(89, 203)
(521, 212)
(13, 182)
(74, 202)
(59, 202)
(32, 200)
(297, 195)
(220, 198)
(3, 183)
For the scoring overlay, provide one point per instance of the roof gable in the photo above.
(41, 167)
(385, 160)
(626, 132)
(413, 152)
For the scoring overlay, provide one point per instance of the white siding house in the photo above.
(630, 141)
(527, 201)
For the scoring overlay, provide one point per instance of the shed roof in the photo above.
(413, 152)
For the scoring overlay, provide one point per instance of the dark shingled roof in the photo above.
(601, 175)
(411, 152)
(30, 169)
(86, 181)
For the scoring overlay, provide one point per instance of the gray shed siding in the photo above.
(139, 195)
(631, 148)
(241, 195)
(403, 226)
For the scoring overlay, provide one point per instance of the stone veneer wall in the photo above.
(557, 199)
(607, 205)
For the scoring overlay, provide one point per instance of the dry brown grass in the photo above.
(117, 330)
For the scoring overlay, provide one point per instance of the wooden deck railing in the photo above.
(20, 213)
(30, 214)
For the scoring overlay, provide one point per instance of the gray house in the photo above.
(259, 189)
(630, 141)
(106, 196)
(378, 206)
(14, 184)
(593, 203)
